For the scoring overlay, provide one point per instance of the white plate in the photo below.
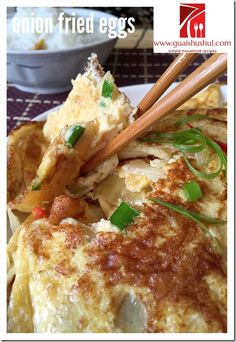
(135, 93)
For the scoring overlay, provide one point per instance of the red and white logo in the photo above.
(192, 20)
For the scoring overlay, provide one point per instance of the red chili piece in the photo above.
(39, 212)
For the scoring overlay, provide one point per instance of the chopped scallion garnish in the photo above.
(107, 89)
(73, 134)
(190, 118)
(36, 187)
(192, 191)
(123, 215)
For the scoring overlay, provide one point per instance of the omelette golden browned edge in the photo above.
(71, 270)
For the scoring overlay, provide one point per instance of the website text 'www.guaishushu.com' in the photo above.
(206, 45)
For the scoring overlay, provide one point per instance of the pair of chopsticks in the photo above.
(152, 109)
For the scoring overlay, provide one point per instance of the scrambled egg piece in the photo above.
(85, 103)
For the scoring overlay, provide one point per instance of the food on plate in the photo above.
(45, 32)
(136, 245)
(100, 112)
(208, 98)
(94, 98)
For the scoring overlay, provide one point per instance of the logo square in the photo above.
(192, 21)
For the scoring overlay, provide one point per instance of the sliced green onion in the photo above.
(158, 136)
(192, 141)
(186, 141)
(221, 156)
(187, 119)
(192, 191)
(123, 215)
(201, 174)
(36, 187)
(179, 134)
(107, 89)
(187, 213)
(218, 150)
(73, 134)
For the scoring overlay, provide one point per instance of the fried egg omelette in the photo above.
(163, 275)
(71, 268)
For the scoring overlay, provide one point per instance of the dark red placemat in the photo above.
(128, 66)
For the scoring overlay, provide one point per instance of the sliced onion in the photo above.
(131, 316)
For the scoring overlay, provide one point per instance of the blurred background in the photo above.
(130, 60)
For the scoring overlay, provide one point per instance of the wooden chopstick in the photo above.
(206, 73)
(167, 78)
